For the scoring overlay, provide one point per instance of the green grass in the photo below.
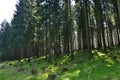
(101, 67)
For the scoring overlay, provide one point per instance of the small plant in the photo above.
(51, 77)
(43, 68)
(64, 69)
(20, 69)
(33, 71)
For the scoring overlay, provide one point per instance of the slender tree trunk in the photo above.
(87, 29)
(100, 23)
(117, 19)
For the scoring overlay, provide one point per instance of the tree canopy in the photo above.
(53, 28)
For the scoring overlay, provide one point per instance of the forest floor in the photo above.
(101, 67)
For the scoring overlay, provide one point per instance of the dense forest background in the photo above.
(53, 28)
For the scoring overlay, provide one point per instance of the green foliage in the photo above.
(78, 69)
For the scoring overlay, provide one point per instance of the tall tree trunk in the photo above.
(117, 19)
(87, 29)
(100, 23)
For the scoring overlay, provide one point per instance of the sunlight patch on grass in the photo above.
(64, 59)
(73, 74)
(54, 69)
(2, 64)
(76, 73)
(43, 76)
(108, 65)
(66, 79)
(109, 60)
(101, 54)
(27, 78)
(23, 60)
(103, 57)
(42, 57)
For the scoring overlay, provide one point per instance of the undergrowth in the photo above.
(104, 66)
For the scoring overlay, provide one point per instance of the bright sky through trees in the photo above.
(7, 8)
